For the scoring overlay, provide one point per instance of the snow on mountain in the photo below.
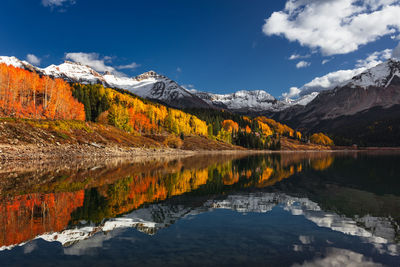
(74, 72)
(302, 101)
(13, 61)
(149, 85)
(378, 76)
(257, 100)
(251, 100)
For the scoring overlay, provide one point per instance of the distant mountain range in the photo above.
(364, 107)
(151, 85)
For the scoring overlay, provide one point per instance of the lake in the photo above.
(285, 209)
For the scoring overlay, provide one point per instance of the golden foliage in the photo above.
(277, 127)
(230, 126)
(321, 139)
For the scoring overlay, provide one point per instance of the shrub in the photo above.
(173, 142)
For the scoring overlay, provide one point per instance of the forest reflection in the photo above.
(51, 199)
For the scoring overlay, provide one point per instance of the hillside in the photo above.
(48, 139)
(362, 111)
(27, 94)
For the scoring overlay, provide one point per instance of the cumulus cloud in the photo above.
(303, 64)
(335, 26)
(396, 52)
(293, 93)
(31, 58)
(333, 79)
(131, 66)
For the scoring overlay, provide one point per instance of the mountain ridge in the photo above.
(154, 86)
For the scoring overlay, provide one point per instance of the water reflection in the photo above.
(351, 194)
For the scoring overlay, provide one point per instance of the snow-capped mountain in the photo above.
(151, 85)
(252, 101)
(241, 100)
(74, 72)
(381, 75)
(13, 61)
(354, 107)
(301, 101)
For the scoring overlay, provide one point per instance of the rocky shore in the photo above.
(95, 151)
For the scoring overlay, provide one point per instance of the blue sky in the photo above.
(218, 46)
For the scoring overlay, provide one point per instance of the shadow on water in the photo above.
(290, 208)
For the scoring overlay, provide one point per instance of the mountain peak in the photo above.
(13, 61)
(148, 75)
(73, 63)
(379, 76)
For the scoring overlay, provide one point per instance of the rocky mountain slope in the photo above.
(245, 101)
(355, 105)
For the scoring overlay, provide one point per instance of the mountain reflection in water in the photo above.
(354, 194)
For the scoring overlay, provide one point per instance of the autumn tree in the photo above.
(321, 139)
(24, 94)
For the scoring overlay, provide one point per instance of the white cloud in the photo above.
(326, 61)
(108, 59)
(335, 26)
(303, 64)
(131, 66)
(293, 93)
(178, 69)
(332, 79)
(34, 60)
(329, 81)
(92, 60)
(374, 59)
(396, 52)
(57, 3)
(297, 56)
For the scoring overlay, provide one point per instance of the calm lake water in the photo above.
(291, 209)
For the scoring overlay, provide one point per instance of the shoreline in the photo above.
(95, 151)
(72, 152)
